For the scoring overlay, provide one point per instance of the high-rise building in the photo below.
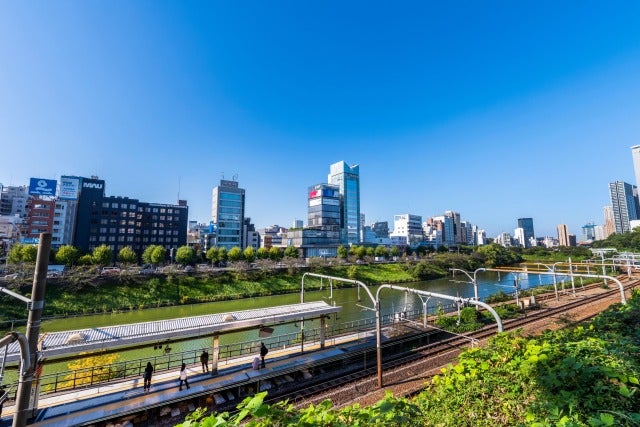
(118, 221)
(635, 155)
(563, 235)
(519, 237)
(454, 236)
(381, 229)
(624, 202)
(527, 225)
(589, 232)
(347, 178)
(14, 200)
(598, 232)
(407, 229)
(227, 213)
(39, 217)
(609, 223)
(321, 237)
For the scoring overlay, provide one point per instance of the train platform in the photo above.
(109, 401)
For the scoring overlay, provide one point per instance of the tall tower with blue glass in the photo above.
(227, 213)
(624, 200)
(527, 226)
(347, 178)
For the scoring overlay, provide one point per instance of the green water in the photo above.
(350, 300)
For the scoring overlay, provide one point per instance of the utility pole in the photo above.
(33, 330)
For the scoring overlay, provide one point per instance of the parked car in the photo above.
(110, 271)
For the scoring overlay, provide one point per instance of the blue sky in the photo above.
(498, 110)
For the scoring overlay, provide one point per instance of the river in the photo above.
(353, 309)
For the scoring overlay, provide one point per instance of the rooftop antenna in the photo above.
(235, 177)
(179, 183)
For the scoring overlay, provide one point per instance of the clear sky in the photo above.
(495, 109)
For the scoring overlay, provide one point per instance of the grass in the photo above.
(106, 295)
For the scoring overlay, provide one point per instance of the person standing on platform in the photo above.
(2, 398)
(148, 371)
(183, 376)
(204, 359)
(263, 352)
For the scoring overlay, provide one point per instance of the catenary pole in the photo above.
(33, 330)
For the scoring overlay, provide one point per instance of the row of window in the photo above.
(134, 207)
(113, 230)
(130, 239)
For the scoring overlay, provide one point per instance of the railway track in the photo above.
(405, 374)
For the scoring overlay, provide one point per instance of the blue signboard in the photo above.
(30, 240)
(42, 187)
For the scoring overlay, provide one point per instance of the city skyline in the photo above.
(529, 112)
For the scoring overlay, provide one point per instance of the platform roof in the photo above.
(68, 343)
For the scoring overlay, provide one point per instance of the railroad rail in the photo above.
(429, 358)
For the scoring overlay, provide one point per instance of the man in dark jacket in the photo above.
(263, 352)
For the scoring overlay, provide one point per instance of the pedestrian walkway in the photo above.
(119, 399)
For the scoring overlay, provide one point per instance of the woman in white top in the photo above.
(183, 376)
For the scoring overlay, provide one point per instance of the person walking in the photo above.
(263, 352)
(183, 376)
(148, 371)
(204, 359)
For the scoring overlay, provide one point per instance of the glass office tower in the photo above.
(227, 213)
(624, 200)
(347, 178)
(527, 225)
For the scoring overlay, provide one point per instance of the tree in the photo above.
(361, 251)
(291, 252)
(381, 251)
(146, 254)
(262, 253)
(249, 254)
(85, 260)
(185, 255)
(395, 251)
(235, 254)
(29, 253)
(275, 254)
(495, 255)
(102, 255)
(342, 252)
(127, 255)
(15, 254)
(223, 256)
(212, 255)
(370, 251)
(421, 250)
(158, 255)
(67, 255)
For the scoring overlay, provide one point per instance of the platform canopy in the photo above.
(68, 343)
